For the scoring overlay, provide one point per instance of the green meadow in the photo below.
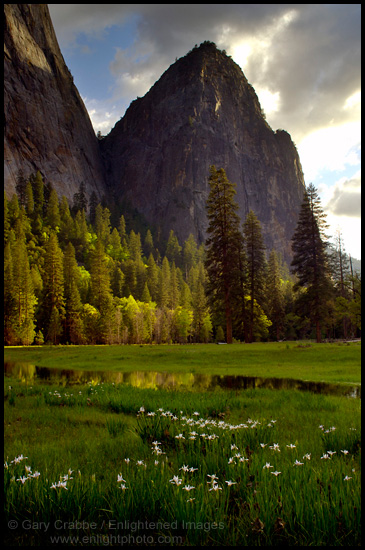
(106, 464)
(333, 362)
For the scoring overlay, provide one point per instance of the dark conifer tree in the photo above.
(80, 199)
(223, 246)
(310, 259)
(256, 265)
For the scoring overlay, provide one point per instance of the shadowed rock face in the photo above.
(156, 160)
(47, 127)
(202, 111)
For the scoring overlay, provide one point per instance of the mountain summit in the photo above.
(202, 111)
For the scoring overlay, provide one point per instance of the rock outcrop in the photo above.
(202, 111)
(47, 127)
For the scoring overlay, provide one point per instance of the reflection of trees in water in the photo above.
(172, 380)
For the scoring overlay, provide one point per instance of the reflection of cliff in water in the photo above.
(173, 381)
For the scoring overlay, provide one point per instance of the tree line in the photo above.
(258, 298)
(72, 276)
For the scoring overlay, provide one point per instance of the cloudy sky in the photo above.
(302, 59)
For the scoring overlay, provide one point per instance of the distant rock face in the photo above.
(47, 127)
(202, 111)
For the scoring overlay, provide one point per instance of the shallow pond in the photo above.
(173, 381)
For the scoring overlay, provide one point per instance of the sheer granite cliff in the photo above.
(202, 111)
(47, 127)
(156, 160)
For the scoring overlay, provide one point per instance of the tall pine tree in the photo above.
(310, 260)
(53, 302)
(73, 305)
(223, 246)
(256, 265)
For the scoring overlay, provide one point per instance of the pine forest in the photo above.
(77, 274)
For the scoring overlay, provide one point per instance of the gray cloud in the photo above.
(346, 198)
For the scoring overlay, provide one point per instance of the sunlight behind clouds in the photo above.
(332, 148)
(269, 101)
(353, 101)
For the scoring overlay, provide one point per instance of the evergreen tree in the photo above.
(9, 297)
(146, 296)
(93, 202)
(101, 296)
(310, 261)
(38, 192)
(67, 226)
(200, 307)
(117, 281)
(190, 253)
(130, 282)
(174, 291)
(73, 305)
(173, 249)
(224, 245)
(123, 233)
(340, 266)
(24, 298)
(53, 302)
(81, 236)
(148, 247)
(141, 277)
(152, 277)
(80, 199)
(20, 186)
(164, 284)
(6, 220)
(100, 278)
(135, 246)
(29, 199)
(115, 247)
(53, 218)
(102, 224)
(256, 265)
(275, 296)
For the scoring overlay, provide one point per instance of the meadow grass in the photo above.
(175, 468)
(331, 362)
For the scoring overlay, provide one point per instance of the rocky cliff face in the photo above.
(201, 112)
(47, 127)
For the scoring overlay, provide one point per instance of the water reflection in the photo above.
(173, 381)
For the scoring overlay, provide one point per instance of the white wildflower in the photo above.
(188, 488)
(23, 479)
(215, 487)
(176, 480)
